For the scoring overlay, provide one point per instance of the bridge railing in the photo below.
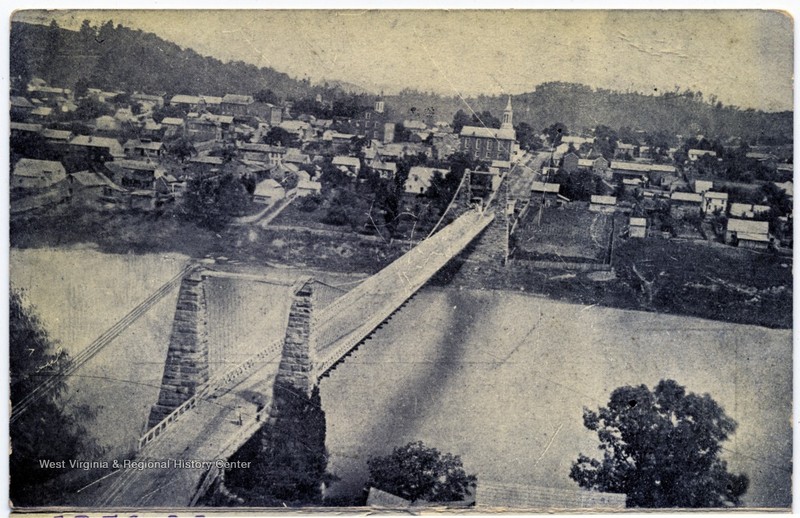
(436, 251)
(215, 383)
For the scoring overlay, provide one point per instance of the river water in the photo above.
(495, 377)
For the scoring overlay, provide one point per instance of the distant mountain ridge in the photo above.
(116, 57)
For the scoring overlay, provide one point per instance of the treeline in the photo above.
(581, 108)
(117, 58)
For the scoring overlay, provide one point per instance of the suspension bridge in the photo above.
(214, 420)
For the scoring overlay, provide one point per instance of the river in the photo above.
(495, 377)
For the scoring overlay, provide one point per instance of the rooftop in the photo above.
(482, 132)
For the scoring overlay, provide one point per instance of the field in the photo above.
(571, 234)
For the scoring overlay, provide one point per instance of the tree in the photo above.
(213, 201)
(661, 448)
(416, 472)
(181, 148)
(278, 136)
(266, 95)
(554, 133)
(485, 119)
(34, 357)
(460, 119)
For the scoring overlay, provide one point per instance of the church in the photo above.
(490, 144)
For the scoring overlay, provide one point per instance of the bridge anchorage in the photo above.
(201, 417)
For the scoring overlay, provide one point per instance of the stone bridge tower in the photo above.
(186, 367)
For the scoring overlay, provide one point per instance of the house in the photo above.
(208, 126)
(371, 124)
(268, 191)
(29, 173)
(89, 188)
(715, 202)
(97, 148)
(134, 174)
(576, 142)
(236, 104)
(605, 204)
(695, 154)
(788, 187)
(419, 179)
(148, 102)
(347, 164)
(272, 155)
(598, 165)
(302, 130)
(24, 129)
(637, 227)
(701, 186)
(748, 233)
(20, 107)
(386, 170)
(308, 187)
(684, 204)
(570, 162)
(490, 143)
(57, 137)
(624, 150)
(143, 148)
(747, 210)
(197, 102)
(546, 193)
(295, 156)
(622, 170)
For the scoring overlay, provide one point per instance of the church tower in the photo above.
(508, 115)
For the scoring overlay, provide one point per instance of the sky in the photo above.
(745, 58)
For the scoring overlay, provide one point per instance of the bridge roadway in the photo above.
(210, 430)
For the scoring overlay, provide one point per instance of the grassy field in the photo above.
(694, 278)
(571, 234)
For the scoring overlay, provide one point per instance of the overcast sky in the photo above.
(745, 58)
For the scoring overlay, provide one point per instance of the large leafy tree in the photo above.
(46, 429)
(417, 472)
(662, 449)
(213, 201)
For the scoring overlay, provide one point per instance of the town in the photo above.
(649, 226)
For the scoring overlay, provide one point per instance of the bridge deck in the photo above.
(210, 431)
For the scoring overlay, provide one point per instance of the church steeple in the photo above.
(508, 115)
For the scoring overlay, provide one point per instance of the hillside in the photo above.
(580, 107)
(121, 58)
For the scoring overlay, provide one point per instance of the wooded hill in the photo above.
(115, 57)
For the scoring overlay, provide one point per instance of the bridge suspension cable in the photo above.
(98, 344)
(449, 205)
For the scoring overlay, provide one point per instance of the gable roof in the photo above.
(691, 197)
(238, 99)
(92, 179)
(748, 226)
(24, 126)
(483, 132)
(111, 144)
(54, 134)
(603, 200)
(32, 168)
(545, 187)
(349, 161)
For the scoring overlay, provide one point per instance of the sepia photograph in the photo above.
(497, 260)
